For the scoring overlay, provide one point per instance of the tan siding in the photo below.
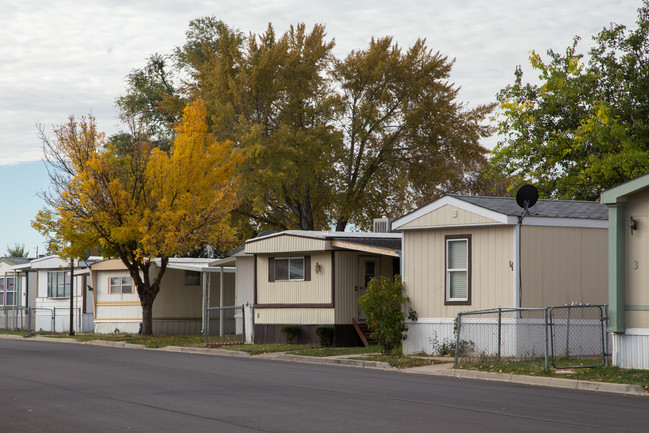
(562, 265)
(444, 217)
(286, 244)
(298, 316)
(348, 278)
(316, 291)
(491, 275)
(637, 260)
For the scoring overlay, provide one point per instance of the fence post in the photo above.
(54, 320)
(605, 331)
(568, 334)
(457, 336)
(547, 366)
(243, 324)
(207, 324)
(500, 327)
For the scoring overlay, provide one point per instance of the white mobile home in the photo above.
(178, 307)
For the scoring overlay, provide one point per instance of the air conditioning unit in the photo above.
(383, 225)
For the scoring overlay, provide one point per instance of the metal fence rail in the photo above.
(562, 333)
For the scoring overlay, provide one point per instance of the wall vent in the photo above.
(383, 225)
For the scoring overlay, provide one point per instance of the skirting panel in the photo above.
(631, 349)
(427, 335)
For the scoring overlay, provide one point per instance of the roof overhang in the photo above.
(619, 193)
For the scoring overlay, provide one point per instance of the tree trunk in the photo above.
(147, 317)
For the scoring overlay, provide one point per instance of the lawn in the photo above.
(536, 367)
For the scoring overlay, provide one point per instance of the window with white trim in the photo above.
(458, 276)
(58, 284)
(289, 268)
(120, 285)
(8, 291)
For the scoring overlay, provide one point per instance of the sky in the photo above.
(69, 57)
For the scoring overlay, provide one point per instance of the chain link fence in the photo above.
(571, 336)
(229, 325)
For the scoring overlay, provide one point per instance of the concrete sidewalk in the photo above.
(443, 369)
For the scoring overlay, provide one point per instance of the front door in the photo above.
(367, 267)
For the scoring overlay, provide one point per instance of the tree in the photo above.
(407, 140)
(383, 304)
(331, 142)
(585, 127)
(18, 250)
(139, 203)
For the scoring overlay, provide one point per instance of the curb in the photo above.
(554, 382)
(330, 361)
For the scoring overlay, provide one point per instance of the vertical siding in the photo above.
(245, 280)
(316, 291)
(562, 265)
(348, 278)
(637, 261)
(444, 217)
(491, 275)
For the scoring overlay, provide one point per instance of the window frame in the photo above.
(121, 286)
(272, 268)
(190, 278)
(448, 239)
(53, 289)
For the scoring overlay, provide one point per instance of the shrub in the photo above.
(325, 335)
(290, 332)
(383, 304)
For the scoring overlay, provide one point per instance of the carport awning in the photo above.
(198, 268)
(365, 248)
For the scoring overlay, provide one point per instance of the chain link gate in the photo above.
(578, 336)
(228, 325)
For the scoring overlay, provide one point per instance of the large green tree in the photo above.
(583, 126)
(327, 141)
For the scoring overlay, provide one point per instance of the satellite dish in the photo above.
(527, 196)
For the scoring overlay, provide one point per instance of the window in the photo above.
(7, 291)
(458, 276)
(192, 278)
(58, 284)
(289, 269)
(120, 285)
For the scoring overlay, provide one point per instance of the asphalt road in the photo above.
(56, 387)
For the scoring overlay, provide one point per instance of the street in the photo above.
(57, 387)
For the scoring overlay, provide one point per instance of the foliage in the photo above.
(18, 250)
(138, 203)
(259, 349)
(325, 335)
(585, 127)
(290, 332)
(383, 304)
(399, 361)
(335, 351)
(327, 141)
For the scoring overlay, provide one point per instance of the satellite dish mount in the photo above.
(526, 197)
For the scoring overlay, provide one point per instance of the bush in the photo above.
(325, 335)
(290, 332)
(383, 304)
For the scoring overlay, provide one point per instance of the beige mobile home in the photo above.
(463, 253)
(178, 308)
(312, 278)
(628, 206)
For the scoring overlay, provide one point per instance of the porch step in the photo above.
(363, 332)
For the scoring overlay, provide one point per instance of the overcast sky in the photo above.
(67, 57)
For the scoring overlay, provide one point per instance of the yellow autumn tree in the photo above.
(137, 201)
